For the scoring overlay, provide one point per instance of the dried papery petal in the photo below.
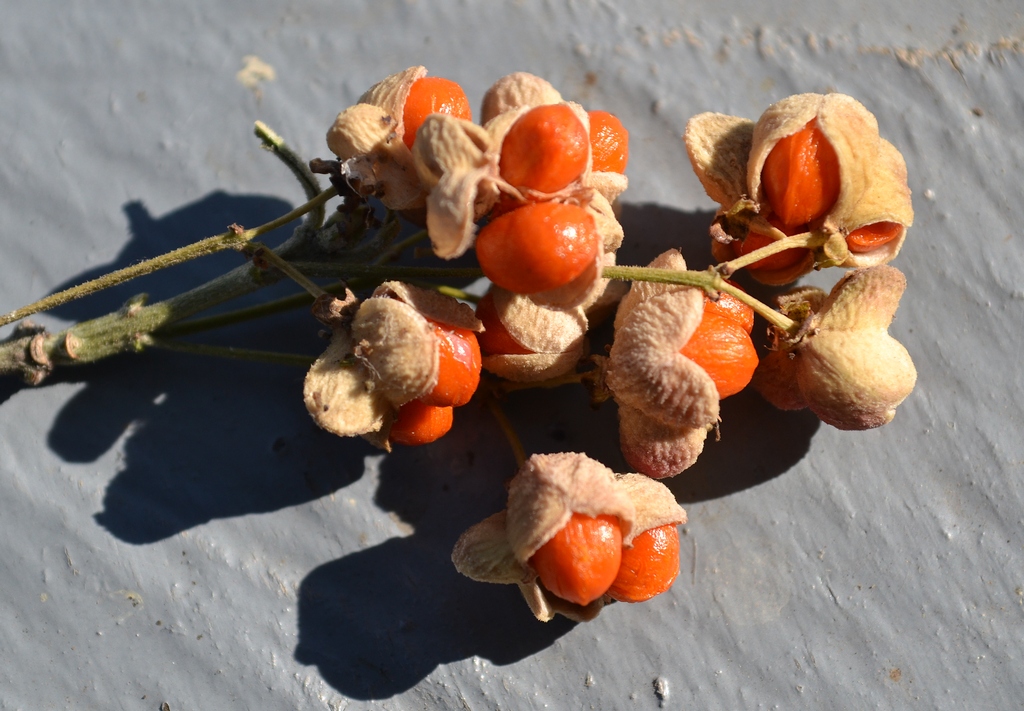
(518, 90)
(853, 383)
(577, 293)
(549, 488)
(338, 391)
(458, 163)
(483, 554)
(655, 505)
(432, 305)
(655, 449)
(399, 347)
(537, 328)
(640, 291)
(863, 300)
(719, 148)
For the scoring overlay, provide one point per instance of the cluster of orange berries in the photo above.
(585, 560)
(532, 190)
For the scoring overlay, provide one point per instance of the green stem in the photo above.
(293, 359)
(300, 169)
(232, 239)
(711, 281)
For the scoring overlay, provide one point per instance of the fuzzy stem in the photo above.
(396, 249)
(300, 169)
(344, 270)
(293, 359)
(807, 240)
(711, 281)
(232, 239)
(260, 251)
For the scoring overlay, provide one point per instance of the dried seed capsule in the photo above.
(844, 366)
(384, 353)
(814, 163)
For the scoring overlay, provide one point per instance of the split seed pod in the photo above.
(843, 365)
(729, 154)
(667, 403)
(542, 497)
(384, 356)
(367, 138)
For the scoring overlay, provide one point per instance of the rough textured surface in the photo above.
(178, 530)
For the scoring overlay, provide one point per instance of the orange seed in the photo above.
(582, 560)
(432, 95)
(801, 176)
(648, 568)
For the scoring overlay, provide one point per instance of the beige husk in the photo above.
(514, 91)
(844, 365)
(339, 393)
(655, 505)
(432, 304)
(645, 369)
(537, 328)
(666, 401)
(367, 138)
(457, 161)
(549, 488)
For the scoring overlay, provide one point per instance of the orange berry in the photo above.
(801, 176)
(780, 260)
(873, 236)
(495, 340)
(432, 95)
(722, 347)
(419, 423)
(537, 247)
(545, 149)
(648, 568)
(731, 307)
(582, 560)
(609, 142)
(458, 365)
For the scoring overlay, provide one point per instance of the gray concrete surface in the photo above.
(176, 530)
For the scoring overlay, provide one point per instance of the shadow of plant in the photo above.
(378, 621)
(199, 445)
(199, 440)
